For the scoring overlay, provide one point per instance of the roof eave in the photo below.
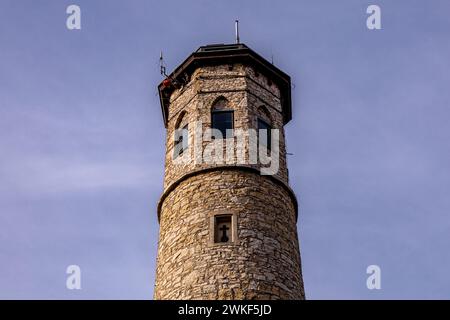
(199, 58)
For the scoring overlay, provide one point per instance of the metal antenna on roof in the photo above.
(162, 66)
(236, 26)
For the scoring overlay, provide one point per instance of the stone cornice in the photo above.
(243, 168)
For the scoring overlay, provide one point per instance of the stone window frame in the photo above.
(181, 131)
(222, 105)
(268, 142)
(263, 115)
(212, 224)
(181, 137)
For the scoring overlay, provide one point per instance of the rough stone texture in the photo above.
(246, 94)
(264, 261)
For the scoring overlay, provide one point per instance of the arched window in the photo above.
(181, 135)
(264, 114)
(264, 127)
(222, 117)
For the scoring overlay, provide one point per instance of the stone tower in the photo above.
(227, 230)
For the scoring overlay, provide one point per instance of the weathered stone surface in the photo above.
(246, 94)
(263, 262)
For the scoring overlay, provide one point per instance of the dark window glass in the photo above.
(264, 134)
(181, 141)
(222, 120)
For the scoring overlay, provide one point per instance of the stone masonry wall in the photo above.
(263, 262)
(245, 92)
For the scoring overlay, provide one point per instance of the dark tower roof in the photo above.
(217, 54)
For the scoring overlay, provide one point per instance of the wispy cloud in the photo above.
(41, 175)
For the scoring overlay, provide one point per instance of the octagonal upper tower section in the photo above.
(226, 54)
(229, 82)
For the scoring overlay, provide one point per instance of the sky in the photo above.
(82, 139)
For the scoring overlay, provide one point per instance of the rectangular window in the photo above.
(181, 141)
(223, 121)
(223, 232)
(264, 134)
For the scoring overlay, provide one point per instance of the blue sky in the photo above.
(82, 139)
